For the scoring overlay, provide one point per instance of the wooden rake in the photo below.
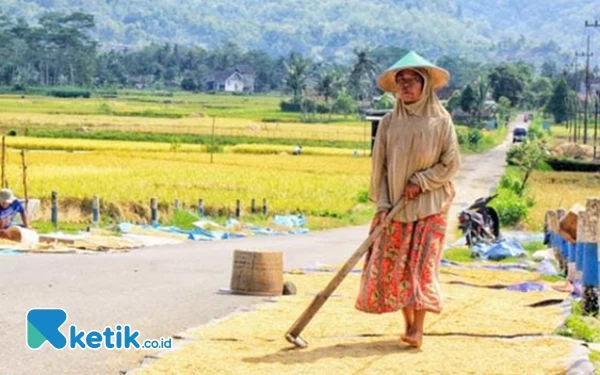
(293, 334)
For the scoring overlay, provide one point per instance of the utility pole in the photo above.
(587, 55)
(576, 101)
(570, 113)
(596, 122)
(596, 25)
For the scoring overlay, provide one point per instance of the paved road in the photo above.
(163, 290)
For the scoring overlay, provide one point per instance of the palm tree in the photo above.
(330, 83)
(325, 86)
(363, 73)
(483, 87)
(297, 69)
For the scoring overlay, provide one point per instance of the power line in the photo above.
(596, 24)
(587, 55)
(575, 127)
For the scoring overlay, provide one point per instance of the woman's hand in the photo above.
(411, 191)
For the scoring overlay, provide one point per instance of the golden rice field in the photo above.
(234, 116)
(191, 125)
(256, 107)
(314, 185)
(552, 190)
(58, 144)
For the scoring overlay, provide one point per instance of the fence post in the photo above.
(238, 210)
(264, 206)
(176, 205)
(96, 212)
(253, 206)
(154, 211)
(55, 209)
(201, 207)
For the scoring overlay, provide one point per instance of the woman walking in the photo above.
(415, 156)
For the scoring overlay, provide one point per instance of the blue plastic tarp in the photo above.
(508, 267)
(125, 227)
(501, 249)
(10, 253)
(528, 287)
(292, 221)
(547, 268)
(233, 229)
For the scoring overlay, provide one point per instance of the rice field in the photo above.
(313, 185)
(234, 116)
(71, 145)
(254, 107)
(191, 125)
(251, 116)
(552, 190)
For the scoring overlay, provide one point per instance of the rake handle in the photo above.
(324, 295)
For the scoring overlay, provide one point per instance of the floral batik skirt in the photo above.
(401, 269)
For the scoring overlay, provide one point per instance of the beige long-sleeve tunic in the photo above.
(422, 150)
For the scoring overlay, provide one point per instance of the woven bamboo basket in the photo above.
(257, 272)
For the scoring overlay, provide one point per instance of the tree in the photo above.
(71, 53)
(325, 86)
(527, 156)
(525, 71)
(225, 56)
(474, 137)
(453, 101)
(330, 83)
(503, 107)
(508, 82)
(549, 69)
(468, 100)
(362, 75)
(189, 84)
(344, 103)
(269, 74)
(386, 56)
(386, 101)
(296, 79)
(557, 105)
(540, 90)
(481, 96)
(461, 70)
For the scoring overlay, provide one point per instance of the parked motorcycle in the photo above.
(480, 223)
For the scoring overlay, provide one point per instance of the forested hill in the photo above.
(528, 29)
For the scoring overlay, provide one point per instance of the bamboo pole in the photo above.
(26, 196)
(3, 162)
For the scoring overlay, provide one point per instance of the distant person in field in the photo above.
(9, 207)
(297, 150)
(415, 157)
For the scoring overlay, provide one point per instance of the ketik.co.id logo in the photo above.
(44, 325)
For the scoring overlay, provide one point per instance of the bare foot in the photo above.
(415, 339)
(407, 333)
